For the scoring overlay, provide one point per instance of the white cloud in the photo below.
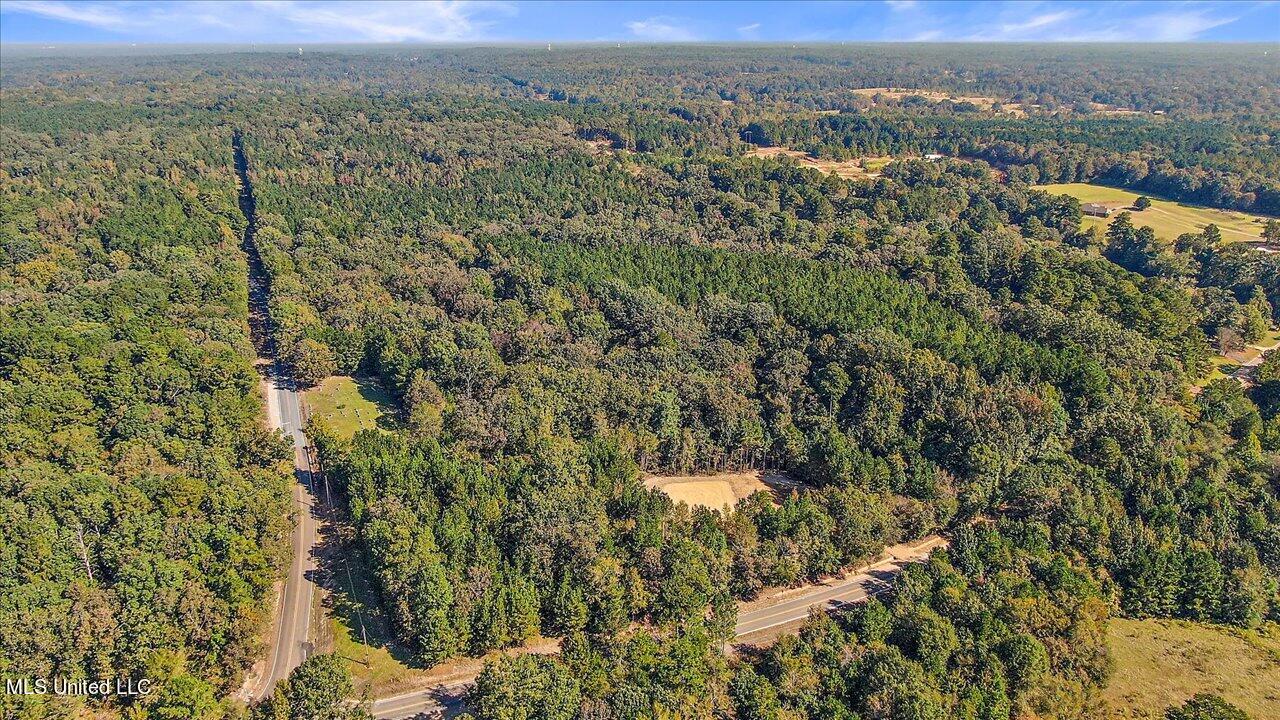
(98, 15)
(661, 28)
(1014, 25)
(1156, 27)
(1104, 23)
(1174, 26)
(284, 20)
(383, 21)
(1035, 23)
(472, 20)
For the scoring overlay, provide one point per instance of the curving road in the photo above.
(446, 700)
(836, 593)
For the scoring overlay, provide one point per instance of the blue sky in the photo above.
(302, 21)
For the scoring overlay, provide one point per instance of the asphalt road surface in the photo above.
(827, 597)
(440, 701)
(293, 616)
(446, 700)
(1249, 368)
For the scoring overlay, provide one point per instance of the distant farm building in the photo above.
(1095, 210)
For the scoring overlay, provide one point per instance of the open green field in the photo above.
(1169, 219)
(1163, 662)
(350, 404)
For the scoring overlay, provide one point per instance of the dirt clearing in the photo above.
(856, 169)
(722, 490)
(984, 102)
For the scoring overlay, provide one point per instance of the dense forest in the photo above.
(999, 627)
(569, 270)
(144, 503)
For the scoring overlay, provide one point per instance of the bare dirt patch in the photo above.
(722, 490)
(599, 146)
(856, 169)
(1105, 109)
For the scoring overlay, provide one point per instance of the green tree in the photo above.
(184, 697)
(525, 687)
(1271, 232)
(313, 361)
(1205, 706)
(318, 689)
(754, 698)
(1025, 660)
(832, 382)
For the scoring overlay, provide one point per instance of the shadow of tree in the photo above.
(372, 390)
(352, 594)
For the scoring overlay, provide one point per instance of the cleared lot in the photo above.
(722, 490)
(1168, 218)
(857, 169)
(350, 404)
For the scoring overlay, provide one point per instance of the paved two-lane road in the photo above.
(794, 607)
(293, 615)
(292, 622)
(835, 593)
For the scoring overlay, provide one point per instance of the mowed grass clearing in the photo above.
(359, 632)
(1164, 662)
(1168, 218)
(350, 404)
(1223, 364)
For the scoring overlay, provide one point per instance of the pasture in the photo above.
(1163, 662)
(1168, 218)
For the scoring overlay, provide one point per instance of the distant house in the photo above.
(1095, 210)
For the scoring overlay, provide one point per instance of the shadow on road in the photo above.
(451, 702)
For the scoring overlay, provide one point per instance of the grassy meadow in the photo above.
(1169, 219)
(350, 404)
(1164, 662)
